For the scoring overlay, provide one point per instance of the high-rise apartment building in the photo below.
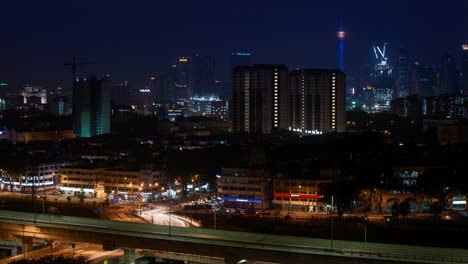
(237, 59)
(91, 106)
(260, 99)
(317, 101)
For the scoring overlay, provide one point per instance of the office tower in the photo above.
(144, 104)
(165, 85)
(465, 68)
(403, 70)
(260, 99)
(341, 34)
(317, 101)
(183, 80)
(91, 106)
(152, 86)
(203, 75)
(120, 94)
(448, 76)
(383, 80)
(422, 79)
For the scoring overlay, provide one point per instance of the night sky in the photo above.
(140, 38)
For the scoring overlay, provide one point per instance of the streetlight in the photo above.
(331, 228)
(214, 215)
(170, 220)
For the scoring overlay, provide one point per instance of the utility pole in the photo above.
(170, 220)
(34, 197)
(331, 228)
(214, 216)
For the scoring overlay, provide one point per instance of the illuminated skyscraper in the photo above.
(383, 80)
(260, 99)
(91, 106)
(317, 101)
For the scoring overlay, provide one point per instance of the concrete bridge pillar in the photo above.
(14, 251)
(129, 255)
(27, 244)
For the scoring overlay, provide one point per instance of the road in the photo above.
(163, 215)
(217, 239)
(159, 215)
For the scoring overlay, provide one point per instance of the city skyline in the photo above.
(132, 42)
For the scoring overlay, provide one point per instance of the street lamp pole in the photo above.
(331, 228)
(34, 197)
(170, 220)
(214, 216)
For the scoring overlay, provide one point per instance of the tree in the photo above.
(437, 186)
(344, 193)
(404, 208)
(61, 259)
(395, 210)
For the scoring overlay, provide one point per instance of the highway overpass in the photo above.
(232, 246)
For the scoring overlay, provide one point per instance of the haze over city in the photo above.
(146, 37)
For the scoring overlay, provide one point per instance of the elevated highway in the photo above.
(231, 246)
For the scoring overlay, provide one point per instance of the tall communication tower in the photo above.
(341, 34)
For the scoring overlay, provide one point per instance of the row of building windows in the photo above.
(79, 186)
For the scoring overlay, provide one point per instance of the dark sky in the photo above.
(143, 37)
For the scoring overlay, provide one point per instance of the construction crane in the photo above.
(380, 53)
(74, 63)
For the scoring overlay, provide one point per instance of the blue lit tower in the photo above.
(341, 34)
